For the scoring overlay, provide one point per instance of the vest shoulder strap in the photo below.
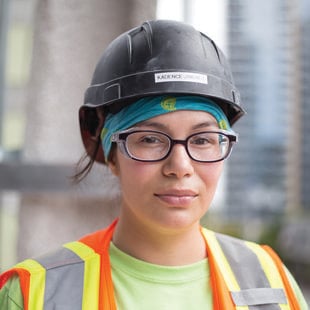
(289, 290)
(68, 276)
(71, 274)
(249, 272)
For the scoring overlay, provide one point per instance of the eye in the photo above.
(147, 139)
(202, 140)
(150, 139)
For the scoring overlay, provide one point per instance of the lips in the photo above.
(178, 198)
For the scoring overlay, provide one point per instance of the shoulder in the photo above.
(70, 254)
(60, 269)
(252, 259)
(227, 243)
(241, 254)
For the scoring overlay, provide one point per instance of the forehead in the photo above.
(183, 119)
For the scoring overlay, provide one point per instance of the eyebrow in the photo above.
(161, 126)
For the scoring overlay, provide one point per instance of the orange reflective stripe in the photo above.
(221, 296)
(24, 280)
(269, 267)
(100, 242)
(35, 284)
(294, 305)
(4, 277)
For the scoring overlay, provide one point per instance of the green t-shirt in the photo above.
(140, 285)
(11, 297)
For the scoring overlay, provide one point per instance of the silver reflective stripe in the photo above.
(249, 274)
(243, 262)
(64, 280)
(259, 296)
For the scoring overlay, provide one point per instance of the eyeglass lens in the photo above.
(152, 146)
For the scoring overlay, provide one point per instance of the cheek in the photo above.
(140, 173)
(131, 172)
(137, 183)
(211, 174)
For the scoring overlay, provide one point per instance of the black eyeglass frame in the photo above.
(121, 137)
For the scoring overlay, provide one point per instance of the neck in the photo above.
(160, 246)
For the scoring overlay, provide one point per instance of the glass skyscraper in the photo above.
(305, 110)
(269, 55)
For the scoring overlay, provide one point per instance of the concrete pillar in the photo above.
(70, 35)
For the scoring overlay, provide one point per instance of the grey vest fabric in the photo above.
(64, 280)
(255, 288)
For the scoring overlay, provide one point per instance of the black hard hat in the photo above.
(159, 57)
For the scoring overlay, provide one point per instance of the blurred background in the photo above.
(48, 51)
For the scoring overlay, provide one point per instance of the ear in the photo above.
(113, 163)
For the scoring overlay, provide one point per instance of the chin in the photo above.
(177, 222)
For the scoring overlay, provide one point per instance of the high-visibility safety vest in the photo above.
(244, 275)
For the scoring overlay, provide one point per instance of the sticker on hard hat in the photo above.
(181, 77)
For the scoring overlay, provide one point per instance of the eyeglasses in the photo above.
(152, 146)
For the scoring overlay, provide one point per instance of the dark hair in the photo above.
(86, 162)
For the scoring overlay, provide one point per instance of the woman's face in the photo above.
(174, 193)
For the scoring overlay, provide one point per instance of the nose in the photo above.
(178, 163)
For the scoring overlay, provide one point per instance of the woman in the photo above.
(159, 113)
